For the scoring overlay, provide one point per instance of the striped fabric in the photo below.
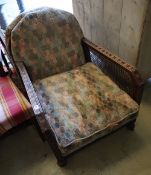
(14, 108)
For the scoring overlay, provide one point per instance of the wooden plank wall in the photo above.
(144, 56)
(114, 24)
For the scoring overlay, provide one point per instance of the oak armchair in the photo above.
(79, 92)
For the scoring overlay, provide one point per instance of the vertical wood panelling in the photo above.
(133, 15)
(98, 33)
(100, 21)
(112, 23)
(118, 25)
(144, 58)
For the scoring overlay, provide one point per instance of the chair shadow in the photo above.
(37, 156)
(105, 152)
(146, 99)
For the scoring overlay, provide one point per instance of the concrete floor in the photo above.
(124, 152)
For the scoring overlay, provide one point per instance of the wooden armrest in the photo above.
(122, 73)
(29, 88)
(36, 106)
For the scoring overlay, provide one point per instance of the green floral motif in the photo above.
(47, 40)
(81, 104)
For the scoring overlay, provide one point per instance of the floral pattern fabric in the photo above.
(10, 29)
(81, 104)
(47, 40)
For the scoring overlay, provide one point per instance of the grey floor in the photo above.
(122, 153)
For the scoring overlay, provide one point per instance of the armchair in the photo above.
(79, 92)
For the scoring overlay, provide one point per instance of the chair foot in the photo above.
(62, 162)
(131, 125)
(42, 136)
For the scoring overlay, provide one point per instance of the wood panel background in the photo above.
(115, 24)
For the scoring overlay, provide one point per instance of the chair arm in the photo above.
(36, 106)
(123, 74)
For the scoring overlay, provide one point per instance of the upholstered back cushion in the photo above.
(48, 41)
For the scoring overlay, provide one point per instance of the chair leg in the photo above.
(62, 161)
(131, 125)
(39, 130)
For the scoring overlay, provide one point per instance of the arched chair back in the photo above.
(47, 40)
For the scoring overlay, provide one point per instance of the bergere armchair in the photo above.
(79, 91)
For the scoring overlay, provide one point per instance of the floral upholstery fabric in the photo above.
(10, 29)
(82, 104)
(47, 40)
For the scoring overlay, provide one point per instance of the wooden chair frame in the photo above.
(122, 73)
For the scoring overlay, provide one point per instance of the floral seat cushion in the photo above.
(82, 105)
